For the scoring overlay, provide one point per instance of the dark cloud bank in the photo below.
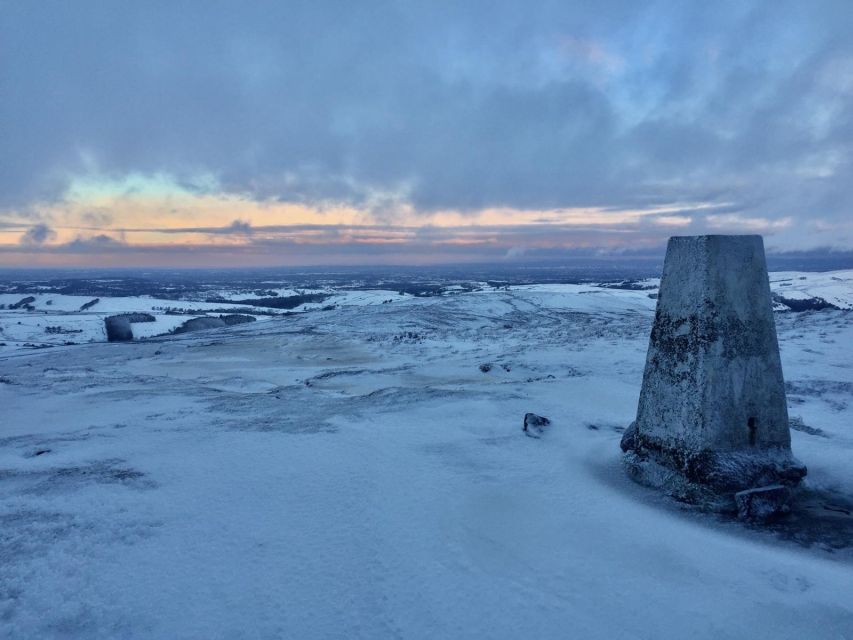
(747, 105)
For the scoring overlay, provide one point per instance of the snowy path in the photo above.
(354, 474)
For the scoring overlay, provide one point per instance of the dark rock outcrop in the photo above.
(534, 425)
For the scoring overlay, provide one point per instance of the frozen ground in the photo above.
(38, 316)
(354, 473)
(51, 319)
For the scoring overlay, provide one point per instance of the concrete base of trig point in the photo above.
(712, 421)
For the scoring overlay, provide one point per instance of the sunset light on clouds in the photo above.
(218, 134)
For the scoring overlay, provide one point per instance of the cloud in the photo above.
(37, 235)
(97, 218)
(401, 107)
(753, 225)
(239, 226)
(93, 244)
(325, 245)
(673, 221)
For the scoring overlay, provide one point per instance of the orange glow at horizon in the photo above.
(158, 220)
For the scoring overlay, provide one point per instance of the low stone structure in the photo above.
(712, 419)
(118, 327)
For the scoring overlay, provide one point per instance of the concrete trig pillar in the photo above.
(712, 418)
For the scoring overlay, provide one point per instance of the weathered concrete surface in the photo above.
(712, 407)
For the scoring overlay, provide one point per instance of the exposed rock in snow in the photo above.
(534, 426)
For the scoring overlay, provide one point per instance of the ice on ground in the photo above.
(355, 473)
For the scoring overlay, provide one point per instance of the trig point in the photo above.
(712, 419)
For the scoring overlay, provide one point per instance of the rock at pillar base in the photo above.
(763, 504)
(710, 479)
(629, 438)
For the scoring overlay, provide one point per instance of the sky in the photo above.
(252, 133)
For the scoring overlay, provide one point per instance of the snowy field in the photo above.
(360, 472)
(39, 319)
(35, 324)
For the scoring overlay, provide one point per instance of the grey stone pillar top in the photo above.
(713, 377)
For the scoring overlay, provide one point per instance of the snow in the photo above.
(52, 302)
(25, 328)
(352, 473)
(836, 287)
(364, 297)
(241, 294)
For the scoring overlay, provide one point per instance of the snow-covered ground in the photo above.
(80, 319)
(835, 287)
(354, 473)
